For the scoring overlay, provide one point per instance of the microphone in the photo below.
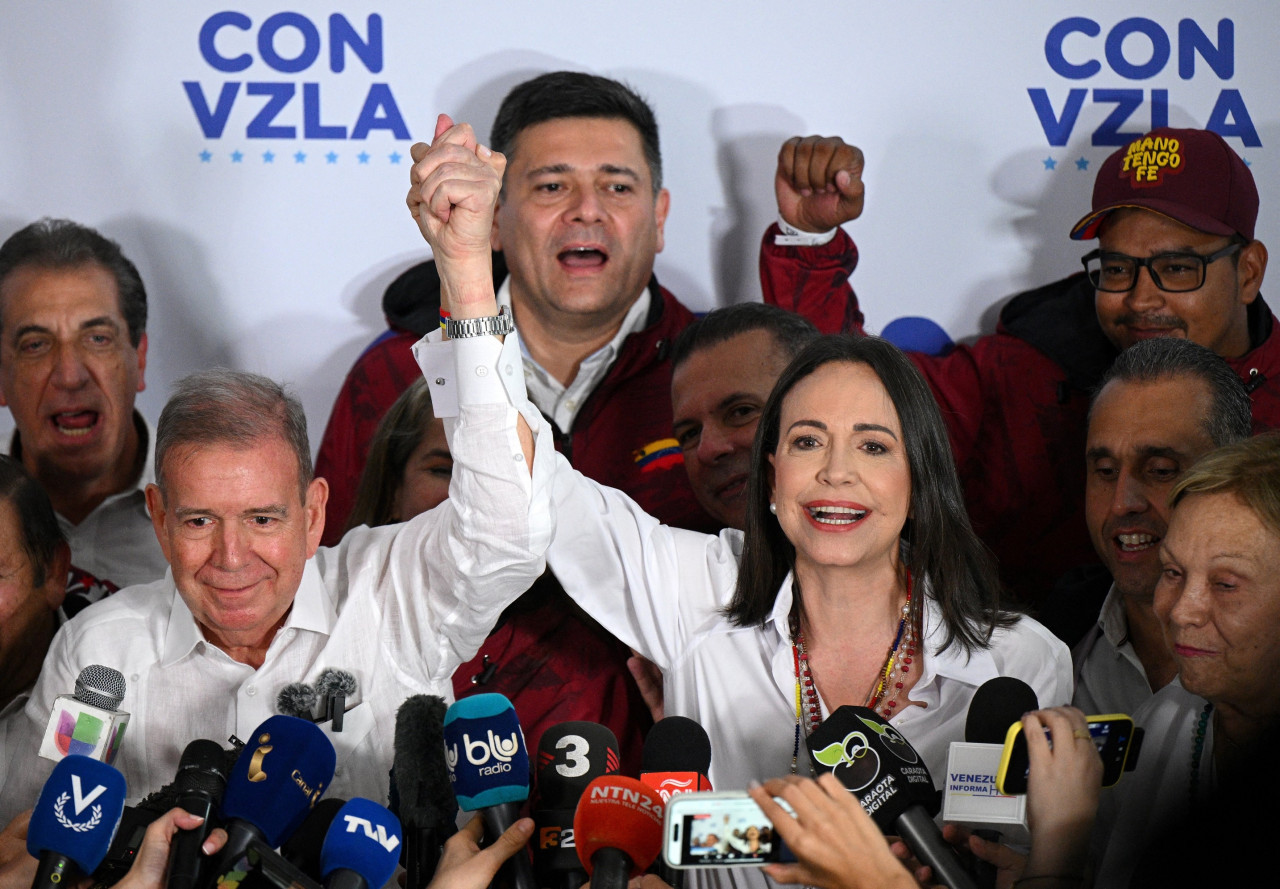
(302, 850)
(676, 759)
(570, 756)
(362, 848)
(88, 723)
(333, 688)
(618, 830)
(970, 797)
(489, 766)
(200, 783)
(892, 783)
(297, 699)
(276, 780)
(422, 785)
(74, 820)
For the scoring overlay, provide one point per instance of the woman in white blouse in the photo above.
(858, 579)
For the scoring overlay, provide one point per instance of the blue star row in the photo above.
(298, 157)
(1051, 163)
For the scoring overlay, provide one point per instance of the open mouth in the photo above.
(583, 257)
(75, 424)
(835, 515)
(1135, 543)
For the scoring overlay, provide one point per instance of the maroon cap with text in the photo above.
(1191, 176)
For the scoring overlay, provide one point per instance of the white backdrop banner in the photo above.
(252, 158)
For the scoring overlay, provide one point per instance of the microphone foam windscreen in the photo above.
(297, 699)
(570, 756)
(333, 682)
(419, 770)
(676, 744)
(78, 811)
(875, 762)
(202, 768)
(281, 773)
(101, 687)
(997, 704)
(485, 751)
(617, 812)
(364, 837)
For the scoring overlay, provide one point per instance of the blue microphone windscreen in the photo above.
(78, 811)
(485, 750)
(284, 768)
(364, 837)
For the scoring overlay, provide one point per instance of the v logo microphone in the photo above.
(88, 723)
(362, 848)
(891, 781)
(74, 820)
(570, 756)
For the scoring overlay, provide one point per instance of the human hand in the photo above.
(463, 865)
(149, 867)
(454, 187)
(1008, 863)
(819, 182)
(17, 868)
(1064, 784)
(649, 680)
(836, 844)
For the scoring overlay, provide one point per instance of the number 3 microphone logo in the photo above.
(576, 751)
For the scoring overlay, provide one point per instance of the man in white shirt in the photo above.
(252, 604)
(1163, 405)
(73, 352)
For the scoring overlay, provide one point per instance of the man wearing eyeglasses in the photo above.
(1174, 214)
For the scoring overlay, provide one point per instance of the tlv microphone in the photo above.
(362, 848)
(676, 759)
(489, 766)
(570, 756)
(422, 786)
(278, 777)
(88, 723)
(200, 783)
(618, 830)
(891, 782)
(970, 797)
(74, 820)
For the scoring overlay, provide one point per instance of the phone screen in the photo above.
(719, 830)
(1111, 734)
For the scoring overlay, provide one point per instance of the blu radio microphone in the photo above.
(489, 766)
(970, 797)
(421, 786)
(892, 783)
(88, 722)
(570, 756)
(278, 777)
(74, 820)
(199, 784)
(618, 830)
(362, 848)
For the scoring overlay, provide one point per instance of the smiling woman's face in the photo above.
(1218, 600)
(841, 479)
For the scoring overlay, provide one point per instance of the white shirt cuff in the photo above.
(471, 370)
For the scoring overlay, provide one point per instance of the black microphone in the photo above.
(892, 783)
(676, 759)
(200, 783)
(570, 756)
(997, 704)
(333, 688)
(420, 783)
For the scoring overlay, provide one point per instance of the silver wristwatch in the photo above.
(492, 325)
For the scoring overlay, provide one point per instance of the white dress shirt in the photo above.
(400, 607)
(662, 591)
(1109, 676)
(116, 541)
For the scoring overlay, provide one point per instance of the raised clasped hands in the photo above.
(455, 183)
(819, 182)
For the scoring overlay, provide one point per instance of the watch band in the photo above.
(491, 325)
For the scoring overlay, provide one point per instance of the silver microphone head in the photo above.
(101, 687)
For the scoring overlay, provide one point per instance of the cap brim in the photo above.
(1087, 228)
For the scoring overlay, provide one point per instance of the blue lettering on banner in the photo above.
(1137, 49)
(290, 43)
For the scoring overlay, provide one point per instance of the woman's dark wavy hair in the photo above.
(941, 550)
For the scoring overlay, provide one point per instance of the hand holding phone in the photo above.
(718, 830)
(1113, 737)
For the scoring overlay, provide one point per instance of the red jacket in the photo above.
(1015, 403)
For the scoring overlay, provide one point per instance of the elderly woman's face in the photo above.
(841, 480)
(1218, 600)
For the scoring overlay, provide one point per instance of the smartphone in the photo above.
(1112, 733)
(720, 829)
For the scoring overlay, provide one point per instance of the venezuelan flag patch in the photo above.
(661, 454)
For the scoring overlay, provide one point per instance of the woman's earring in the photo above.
(773, 508)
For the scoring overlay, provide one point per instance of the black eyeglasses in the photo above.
(1172, 272)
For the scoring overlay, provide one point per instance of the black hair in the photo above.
(41, 535)
(791, 332)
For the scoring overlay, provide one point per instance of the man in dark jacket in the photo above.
(1174, 213)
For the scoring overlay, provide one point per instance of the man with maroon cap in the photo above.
(1174, 214)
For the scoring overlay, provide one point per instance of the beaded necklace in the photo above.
(1197, 748)
(883, 698)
